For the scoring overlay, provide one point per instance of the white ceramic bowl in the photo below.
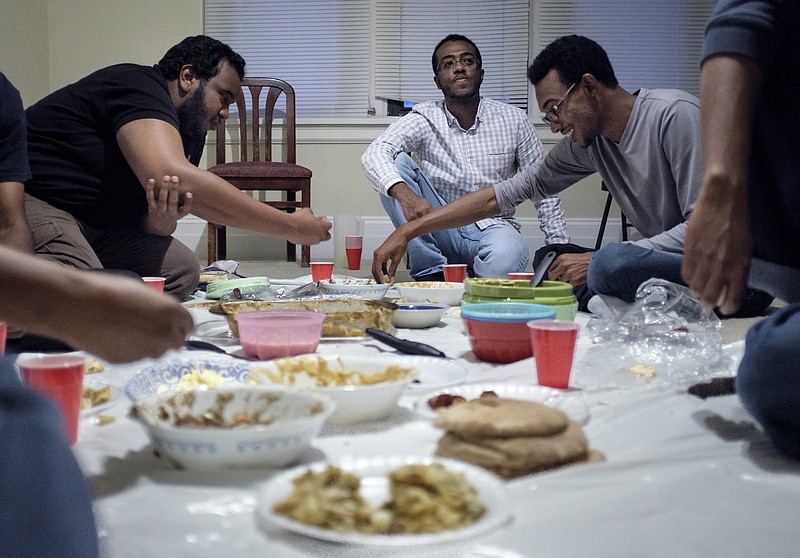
(167, 373)
(355, 402)
(440, 292)
(361, 288)
(417, 315)
(294, 418)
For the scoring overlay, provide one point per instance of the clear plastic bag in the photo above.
(664, 337)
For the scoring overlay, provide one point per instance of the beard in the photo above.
(191, 115)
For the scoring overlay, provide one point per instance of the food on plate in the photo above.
(93, 366)
(426, 284)
(643, 370)
(200, 377)
(174, 409)
(349, 281)
(502, 418)
(511, 437)
(93, 397)
(446, 399)
(355, 312)
(316, 371)
(423, 499)
(103, 420)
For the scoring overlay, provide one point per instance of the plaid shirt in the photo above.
(456, 161)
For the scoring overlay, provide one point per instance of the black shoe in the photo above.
(753, 304)
(438, 276)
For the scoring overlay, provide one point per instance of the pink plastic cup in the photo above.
(321, 270)
(155, 283)
(520, 276)
(59, 377)
(454, 273)
(353, 246)
(553, 345)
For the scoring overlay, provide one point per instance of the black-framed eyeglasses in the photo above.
(449, 63)
(551, 115)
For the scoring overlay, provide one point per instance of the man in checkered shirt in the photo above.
(460, 144)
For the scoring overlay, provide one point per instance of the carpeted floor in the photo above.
(732, 330)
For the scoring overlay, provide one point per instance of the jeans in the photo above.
(768, 381)
(618, 269)
(495, 251)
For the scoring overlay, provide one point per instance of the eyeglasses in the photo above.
(551, 115)
(449, 63)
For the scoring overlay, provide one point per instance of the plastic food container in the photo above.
(557, 294)
(498, 331)
(265, 335)
(218, 289)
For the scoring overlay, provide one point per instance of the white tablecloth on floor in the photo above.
(683, 477)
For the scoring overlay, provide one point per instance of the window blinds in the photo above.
(407, 32)
(651, 43)
(321, 47)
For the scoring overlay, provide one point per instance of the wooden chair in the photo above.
(255, 170)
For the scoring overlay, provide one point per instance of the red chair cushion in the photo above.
(260, 169)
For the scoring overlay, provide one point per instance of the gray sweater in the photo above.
(654, 173)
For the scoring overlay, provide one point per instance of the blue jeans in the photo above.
(768, 381)
(45, 502)
(495, 251)
(618, 269)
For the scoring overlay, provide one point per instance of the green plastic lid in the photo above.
(218, 289)
(506, 288)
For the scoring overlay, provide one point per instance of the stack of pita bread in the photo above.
(510, 437)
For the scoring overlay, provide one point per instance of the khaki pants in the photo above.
(60, 237)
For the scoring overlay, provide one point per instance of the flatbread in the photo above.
(524, 453)
(500, 417)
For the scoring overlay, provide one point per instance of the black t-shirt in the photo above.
(76, 162)
(13, 150)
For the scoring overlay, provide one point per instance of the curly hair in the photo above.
(455, 37)
(204, 55)
(572, 56)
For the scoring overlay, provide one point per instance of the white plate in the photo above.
(168, 372)
(374, 487)
(575, 408)
(371, 291)
(102, 407)
(434, 373)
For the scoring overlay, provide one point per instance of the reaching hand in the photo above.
(308, 228)
(121, 320)
(716, 257)
(165, 206)
(571, 268)
(391, 251)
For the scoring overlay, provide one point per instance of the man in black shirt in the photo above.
(93, 146)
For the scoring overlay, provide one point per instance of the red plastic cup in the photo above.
(155, 283)
(321, 270)
(520, 276)
(59, 377)
(3, 333)
(353, 245)
(454, 273)
(553, 345)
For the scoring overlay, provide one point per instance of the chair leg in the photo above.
(291, 252)
(603, 221)
(305, 255)
(624, 228)
(212, 243)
